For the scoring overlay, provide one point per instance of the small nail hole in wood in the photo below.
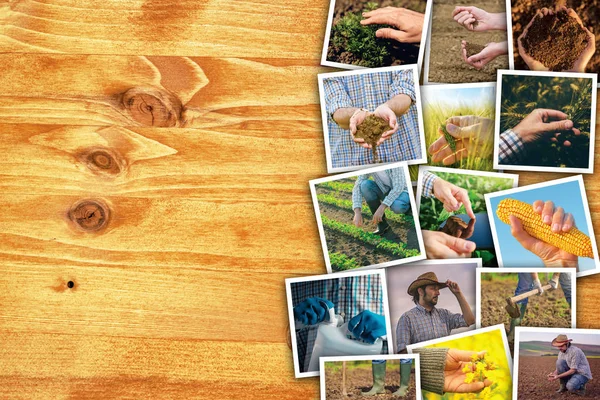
(70, 284)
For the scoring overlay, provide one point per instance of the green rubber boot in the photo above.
(378, 380)
(514, 322)
(404, 380)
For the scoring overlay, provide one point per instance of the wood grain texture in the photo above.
(253, 28)
(195, 125)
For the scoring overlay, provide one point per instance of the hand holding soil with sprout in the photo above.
(469, 134)
(556, 31)
(478, 20)
(409, 23)
(559, 221)
(487, 54)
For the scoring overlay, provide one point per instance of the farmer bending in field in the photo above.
(529, 281)
(348, 100)
(386, 190)
(572, 367)
(439, 244)
(560, 221)
(477, 20)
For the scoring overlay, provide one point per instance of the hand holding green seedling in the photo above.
(582, 60)
(439, 245)
(478, 20)
(489, 53)
(469, 133)
(385, 112)
(542, 122)
(452, 196)
(409, 23)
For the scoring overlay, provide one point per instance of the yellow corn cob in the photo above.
(573, 242)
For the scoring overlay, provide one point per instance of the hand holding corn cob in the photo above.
(547, 232)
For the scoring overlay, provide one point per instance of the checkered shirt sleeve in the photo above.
(403, 333)
(511, 148)
(427, 185)
(453, 321)
(403, 83)
(336, 95)
(350, 296)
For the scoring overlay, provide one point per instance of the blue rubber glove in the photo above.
(312, 310)
(367, 326)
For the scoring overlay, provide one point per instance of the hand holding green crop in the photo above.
(543, 122)
(409, 23)
(470, 134)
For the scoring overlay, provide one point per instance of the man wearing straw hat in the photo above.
(572, 367)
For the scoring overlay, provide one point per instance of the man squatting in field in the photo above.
(387, 190)
(529, 281)
(392, 96)
(358, 299)
(572, 367)
(423, 322)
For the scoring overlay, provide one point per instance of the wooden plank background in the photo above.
(194, 126)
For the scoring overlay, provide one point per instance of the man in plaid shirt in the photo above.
(386, 190)
(388, 95)
(425, 321)
(354, 298)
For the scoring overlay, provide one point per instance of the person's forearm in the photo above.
(498, 21)
(399, 104)
(342, 116)
(465, 308)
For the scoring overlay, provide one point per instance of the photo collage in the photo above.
(445, 277)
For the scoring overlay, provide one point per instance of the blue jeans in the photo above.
(526, 284)
(573, 382)
(371, 192)
(402, 361)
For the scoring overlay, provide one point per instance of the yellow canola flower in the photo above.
(467, 368)
(470, 377)
(480, 367)
(475, 357)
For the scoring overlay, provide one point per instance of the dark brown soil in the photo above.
(371, 130)
(473, 49)
(534, 385)
(446, 64)
(524, 10)
(556, 41)
(360, 380)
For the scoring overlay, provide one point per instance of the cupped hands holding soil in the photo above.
(556, 41)
(371, 130)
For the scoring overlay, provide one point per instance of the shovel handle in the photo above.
(530, 293)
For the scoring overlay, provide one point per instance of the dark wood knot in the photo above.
(102, 160)
(152, 106)
(89, 215)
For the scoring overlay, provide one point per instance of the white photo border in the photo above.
(414, 212)
(327, 63)
(534, 168)
(517, 347)
(570, 271)
(290, 306)
(415, 357)
(590, 227)
(324, 116)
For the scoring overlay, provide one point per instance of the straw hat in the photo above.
(428, 278)
(560, 340)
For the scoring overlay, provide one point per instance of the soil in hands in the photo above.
(524, 10)
(534, 384)
(371, 130)
(556, 41)
(473, 49)
(360, 380)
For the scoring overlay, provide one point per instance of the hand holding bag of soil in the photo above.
(556, 41)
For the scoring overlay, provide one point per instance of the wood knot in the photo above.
(102, 160)
(89, 215)
(153, 107)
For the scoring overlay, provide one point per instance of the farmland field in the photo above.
(445, 60)
(549, 310)
(352, 247)
(533, 384)
(359, 379)
(352, 43)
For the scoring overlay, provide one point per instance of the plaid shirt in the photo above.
(396, 176)
(428, 180)
(349, 295)
(369, 91)
(511, 148)
(418, 325)
(576, 359)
